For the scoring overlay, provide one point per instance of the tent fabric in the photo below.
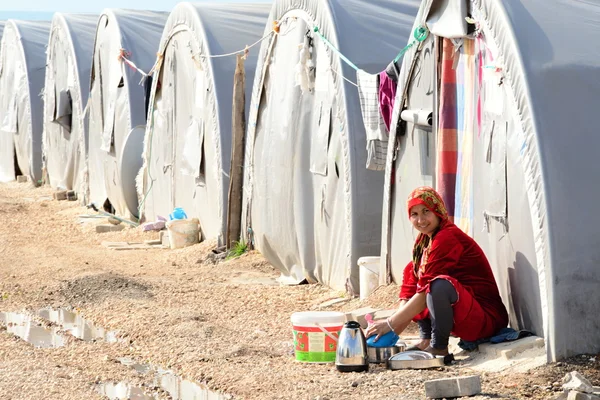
(544, 260)
(310, 205)
(66, 91)
(117, 116)
(188, 139)
(22, 70)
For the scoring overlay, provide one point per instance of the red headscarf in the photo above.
(431, 199)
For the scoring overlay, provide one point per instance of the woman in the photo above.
(448, 287)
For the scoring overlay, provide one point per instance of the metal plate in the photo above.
(416, 359)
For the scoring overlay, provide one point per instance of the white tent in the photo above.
(188, 140)
(310, 205)
(22, 70)
(125, 40)
(524, 186)
(69, 59)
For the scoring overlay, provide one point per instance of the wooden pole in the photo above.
(238, 139)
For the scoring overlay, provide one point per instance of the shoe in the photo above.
(437, 352)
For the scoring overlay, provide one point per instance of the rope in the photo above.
(245, 50)
(343, 77)
(420, 34)
(339, 53)
(123, 54)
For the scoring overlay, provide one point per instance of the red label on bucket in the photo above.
(313, 345)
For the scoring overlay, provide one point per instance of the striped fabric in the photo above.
(447, 130)
(466, 96)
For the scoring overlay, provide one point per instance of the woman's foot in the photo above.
(437, 352)
(424, 344)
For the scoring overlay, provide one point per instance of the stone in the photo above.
(60, 195)
(152, 242)
(576, 382)
(22, 179)
(453, 387)
(109, 228)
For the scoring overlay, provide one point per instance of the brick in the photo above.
(453, 387)
(22, 179)
(109, 228)
(60, 195)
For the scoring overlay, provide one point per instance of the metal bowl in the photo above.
(379, 355)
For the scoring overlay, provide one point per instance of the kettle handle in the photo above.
(325, 331)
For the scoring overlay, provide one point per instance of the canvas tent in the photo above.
(69, 59)
(310, 205)
(188, 140)
(125, 44)
(525, 96)
(22, 70)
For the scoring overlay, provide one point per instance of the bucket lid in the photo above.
(304, 318)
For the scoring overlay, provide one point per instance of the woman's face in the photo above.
(424, 220)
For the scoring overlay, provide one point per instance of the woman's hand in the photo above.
(378, 328)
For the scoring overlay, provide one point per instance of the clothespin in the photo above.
(246, 52)
(276, 26)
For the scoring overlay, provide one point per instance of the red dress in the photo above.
(454, 256)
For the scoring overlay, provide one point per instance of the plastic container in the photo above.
(316, 334)
(177, 213)
(368, 275)
(183, 232)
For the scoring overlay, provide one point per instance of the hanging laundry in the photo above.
(466, 90)
(305, 69)
(387, 95)
(376, 131)
(447, 140)
(393, 70)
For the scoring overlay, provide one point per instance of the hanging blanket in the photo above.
(466, 95)
(447, 140)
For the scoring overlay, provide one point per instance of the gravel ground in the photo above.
(215, 322)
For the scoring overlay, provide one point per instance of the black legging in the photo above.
(437, 327)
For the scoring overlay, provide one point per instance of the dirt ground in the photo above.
(222, 324)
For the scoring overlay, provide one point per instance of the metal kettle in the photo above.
(351, 354)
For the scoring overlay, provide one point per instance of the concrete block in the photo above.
(453, 387)
(22, 179)
(508, 350)
(60, 195)
(574, 395)
(359, 315)
(71, 195)
(383, 314)
(109, 228)
(164, 238)
(333, 302)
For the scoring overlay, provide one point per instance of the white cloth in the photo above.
(375, 129)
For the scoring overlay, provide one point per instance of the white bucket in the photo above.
(183, 232)
(368, 275)
(316, 334)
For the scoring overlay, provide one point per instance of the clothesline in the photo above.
(124, 54)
